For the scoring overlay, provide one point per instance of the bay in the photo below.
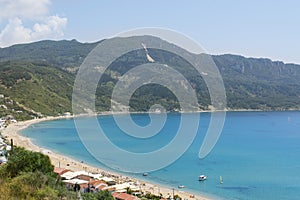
(257, 155)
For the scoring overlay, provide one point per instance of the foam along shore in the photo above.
(58, 160)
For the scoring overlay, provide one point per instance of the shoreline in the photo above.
(12, 132)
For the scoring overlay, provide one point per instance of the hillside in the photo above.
(39, 78)
(63, 54)
(31, 90)
(253, 83)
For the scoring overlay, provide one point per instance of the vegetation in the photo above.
(29, 175)
(259, 83)
(31, 89)
(101, 195)
(23, 161)
(150, 196)
(38, 78)
(63, 53)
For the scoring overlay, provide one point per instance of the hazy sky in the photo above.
(255, 28)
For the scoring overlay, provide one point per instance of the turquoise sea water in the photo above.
(258, 153)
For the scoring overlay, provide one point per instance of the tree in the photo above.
(34, 185)
(177, 197)
(128, 190)
(29, 175)
(22, 160)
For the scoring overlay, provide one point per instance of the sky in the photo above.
(256, 28)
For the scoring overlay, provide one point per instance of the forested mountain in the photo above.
(56, 53)
(259, 83)
(38, 77)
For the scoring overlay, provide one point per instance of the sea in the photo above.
(257, 154)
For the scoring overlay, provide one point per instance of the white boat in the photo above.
(180, 186)
(202, 178)
(221, 180)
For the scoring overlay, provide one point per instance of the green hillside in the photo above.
(38, 78)
(35, 89)
(62, 54)
(259, 83)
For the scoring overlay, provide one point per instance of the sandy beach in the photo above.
(58, 160)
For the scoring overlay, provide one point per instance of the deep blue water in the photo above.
(258, 153)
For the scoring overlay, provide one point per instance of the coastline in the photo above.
(12, 132)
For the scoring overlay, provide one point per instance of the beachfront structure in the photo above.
(89, 182)
(67, 114)
(93, 186)
(96, 180)
(3, 149)
(2, 123)
(124, 186)
(3, 159)
(68, 175)
(8, 119)
(59, 171)
(124, 196)
(108, 180)
(74, 181)
(2, 143)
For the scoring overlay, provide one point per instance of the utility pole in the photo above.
(12, 144)
(173, 193)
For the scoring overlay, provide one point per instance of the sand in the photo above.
(58, 160)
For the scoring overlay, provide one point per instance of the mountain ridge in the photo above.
(250, 83)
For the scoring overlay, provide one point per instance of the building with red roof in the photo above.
(124, 196)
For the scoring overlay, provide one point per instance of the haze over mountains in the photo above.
(38, 78)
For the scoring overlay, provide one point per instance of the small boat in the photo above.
(145, 174)
(221, 180)
(180, 186)
(202, 178)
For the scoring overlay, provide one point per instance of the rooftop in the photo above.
(123, 196)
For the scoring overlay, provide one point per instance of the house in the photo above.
(9, 102)
(2, 144)
(2, 123)
(68, 175)
(123, 187)
(124, 196)
(84, 175)
(8, 147)
(74, 182)
(110, 189)
(3, 159)
(108, 180)
(2, 152)
(60, 171)
(39, 115)
(93, 186)
(13, 121)
(67, 114)
(9, 117)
